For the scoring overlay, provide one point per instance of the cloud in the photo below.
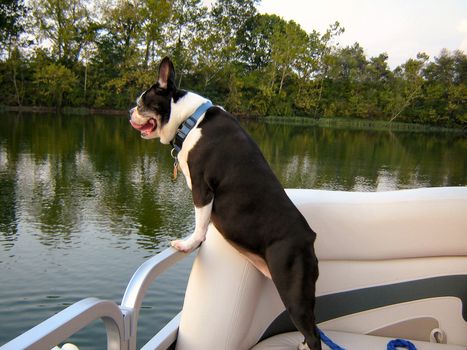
(401, 28)
(462, 28)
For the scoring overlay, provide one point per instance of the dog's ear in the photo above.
(166, 78)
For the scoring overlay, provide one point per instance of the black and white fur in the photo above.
(234, 188)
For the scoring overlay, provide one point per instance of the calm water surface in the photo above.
(84, 201)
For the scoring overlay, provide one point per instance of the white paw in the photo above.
(185, 246)
(303, 346)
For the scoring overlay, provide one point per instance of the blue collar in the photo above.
(188, 124)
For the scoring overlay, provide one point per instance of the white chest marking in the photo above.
(179, 112)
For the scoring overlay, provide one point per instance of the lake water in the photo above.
(84, 201)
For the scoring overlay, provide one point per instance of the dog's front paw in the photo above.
(303, 346)
(185, 246)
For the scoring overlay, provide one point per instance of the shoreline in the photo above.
(63, 110)
(335, 122)
(360, 124)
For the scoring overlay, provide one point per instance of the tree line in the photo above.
(103, 53)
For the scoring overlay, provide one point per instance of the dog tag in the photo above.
(175, 173)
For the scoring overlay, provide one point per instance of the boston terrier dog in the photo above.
(234, 188)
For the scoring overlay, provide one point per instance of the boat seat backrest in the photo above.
(386, 225)
(364, 240)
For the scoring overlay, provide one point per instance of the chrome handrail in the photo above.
(139, 284)
(121, 322)
(69, 321)
(165, 337)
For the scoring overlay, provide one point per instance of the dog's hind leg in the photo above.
(295, 276)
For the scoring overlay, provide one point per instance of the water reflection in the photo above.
(357, 160)
(61, 174)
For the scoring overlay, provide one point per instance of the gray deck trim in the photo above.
(336, 305)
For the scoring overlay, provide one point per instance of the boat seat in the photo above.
(391, 265)
(348, 341)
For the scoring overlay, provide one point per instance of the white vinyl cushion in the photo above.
(386, 225)
(228, 303)
(348, 341)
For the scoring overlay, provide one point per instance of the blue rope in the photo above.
(328, 342)
(401, 343)
(392, 345)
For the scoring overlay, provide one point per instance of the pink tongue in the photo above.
(149, 126)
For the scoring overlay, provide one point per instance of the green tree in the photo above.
(184, 26)
(312, 68)
(445, 89)
(376, 88)
(14, 74)
(53, 81)
(12, 15)
(276, 52)
(287, 46)
(216, 51)
(411, 82)
(344, 89)
(13, 22)
(155, 15)
(117, 67)
(254, 40)
(123, 30)
(63, 23)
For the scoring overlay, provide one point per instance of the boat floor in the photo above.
(349, 341)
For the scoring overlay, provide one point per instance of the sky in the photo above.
(401, 28)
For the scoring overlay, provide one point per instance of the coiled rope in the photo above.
(392, 345)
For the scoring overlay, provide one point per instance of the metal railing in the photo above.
(121, 322)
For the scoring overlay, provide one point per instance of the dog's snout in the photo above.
(130, 112)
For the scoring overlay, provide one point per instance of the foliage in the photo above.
(11, 24)
(53, 81)
(104, 53)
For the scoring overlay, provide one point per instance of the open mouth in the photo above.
(147, 128)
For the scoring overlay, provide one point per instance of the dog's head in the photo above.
(153, 107)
